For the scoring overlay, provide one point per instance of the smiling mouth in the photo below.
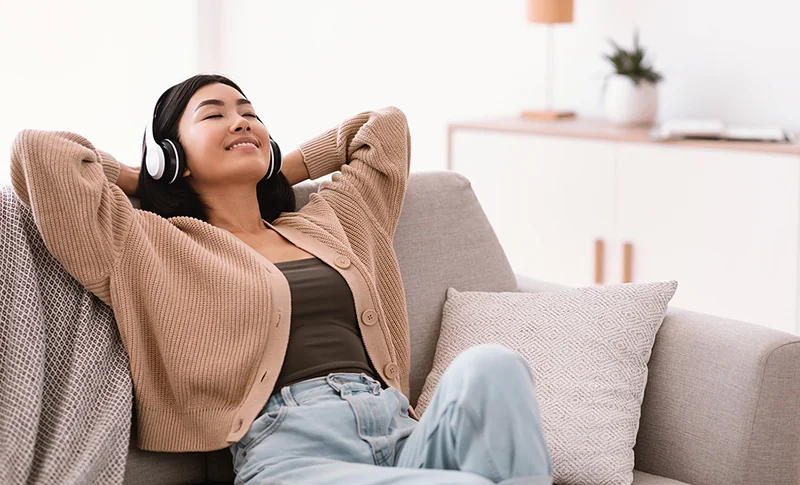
(242, 145)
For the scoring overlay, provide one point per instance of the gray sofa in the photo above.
(722, 404)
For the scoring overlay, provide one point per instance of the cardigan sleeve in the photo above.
(82, 216)
(372, 152)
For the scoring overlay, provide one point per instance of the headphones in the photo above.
(166, 160)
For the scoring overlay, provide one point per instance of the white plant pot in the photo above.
(629, 104)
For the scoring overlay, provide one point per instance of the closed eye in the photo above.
(220, 116)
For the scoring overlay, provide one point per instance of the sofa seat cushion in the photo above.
(152, 468)
(642, 478)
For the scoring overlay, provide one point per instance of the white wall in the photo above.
(95, 67)
(308, 64)
(91, 67)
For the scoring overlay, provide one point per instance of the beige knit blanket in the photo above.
(65, 388)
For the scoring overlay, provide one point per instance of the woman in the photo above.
(209, 276)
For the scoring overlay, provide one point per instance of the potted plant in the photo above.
(631, 94)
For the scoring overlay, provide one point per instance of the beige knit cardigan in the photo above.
(203, 316)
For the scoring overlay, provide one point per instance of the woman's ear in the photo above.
(187, 172)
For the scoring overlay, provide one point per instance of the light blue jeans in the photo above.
(481, 427)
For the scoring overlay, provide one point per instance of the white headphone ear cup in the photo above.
(271, 162)
(275, 158)
(278, 159)
(153, 155)
(154, 159)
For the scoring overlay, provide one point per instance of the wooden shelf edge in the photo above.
(599, 129)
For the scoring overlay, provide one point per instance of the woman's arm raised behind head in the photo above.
(372, 151)
(83, 217)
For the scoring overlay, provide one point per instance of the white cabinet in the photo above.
(724, 223)
(548, 201)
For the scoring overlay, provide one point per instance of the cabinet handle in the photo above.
(627, 263)
(599, 250)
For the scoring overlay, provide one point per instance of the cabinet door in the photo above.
(547, 198)
(723, 223)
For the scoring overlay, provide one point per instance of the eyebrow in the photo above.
(218, 102)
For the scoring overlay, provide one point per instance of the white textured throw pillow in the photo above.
(588, 349)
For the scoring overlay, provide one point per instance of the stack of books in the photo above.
(718, 130)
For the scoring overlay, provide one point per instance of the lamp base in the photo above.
(547, 115)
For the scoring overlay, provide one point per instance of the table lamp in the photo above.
(549, 12)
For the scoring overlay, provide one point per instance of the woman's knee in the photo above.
(492, 363)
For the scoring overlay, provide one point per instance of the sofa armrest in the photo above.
(722, 403)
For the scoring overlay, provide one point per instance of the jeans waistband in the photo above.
(334, 385)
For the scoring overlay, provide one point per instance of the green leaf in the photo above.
(632, 63)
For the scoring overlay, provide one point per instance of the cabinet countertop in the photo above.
(600, 129)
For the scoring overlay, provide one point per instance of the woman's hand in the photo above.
(128, 180)
(294, 169)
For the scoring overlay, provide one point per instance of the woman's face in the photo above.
(223, 141)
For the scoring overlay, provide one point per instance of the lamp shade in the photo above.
(550, 11)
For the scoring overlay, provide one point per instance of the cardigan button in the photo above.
(238, 425)
(390, 370)
(369, 317)
(342, 262)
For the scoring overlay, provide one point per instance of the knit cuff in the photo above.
(321, 154)
(110, 166)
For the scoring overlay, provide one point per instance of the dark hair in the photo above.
(275, 195)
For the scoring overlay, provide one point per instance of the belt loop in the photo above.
(286, 393)
(375, 385)
(335, 385)
(341, 388)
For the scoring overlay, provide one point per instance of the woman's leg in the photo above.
(307, 470)
(484, 419)
(342, 429)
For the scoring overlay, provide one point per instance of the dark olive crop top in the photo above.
(324, 336)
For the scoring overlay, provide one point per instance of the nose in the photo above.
(241, 125)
